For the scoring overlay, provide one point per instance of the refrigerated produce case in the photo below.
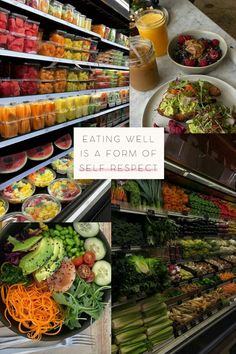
(177, 238)
(52, 80)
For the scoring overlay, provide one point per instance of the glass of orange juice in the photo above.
(152, 25)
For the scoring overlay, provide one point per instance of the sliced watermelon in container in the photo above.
(64, 142)
(13, 163)
(40, 152)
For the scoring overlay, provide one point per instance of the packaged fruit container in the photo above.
(61, 108)
(18, 192)
(31, 28)
(42, 178)
(37, 122)
(58, 37)
(15, 42)
(61, 166)
(76, 17)
(27, 71)
(4, 14)
(16, 23)
(82, 19)
(9, 88)
(73, 74)
(112, 35)
(61, 73)
(33, 3)
(59, 86)
(55, 8)
(47, 48)
(107, 32)
(13, 217)
(71, 111)
(78, 107)
(28, 87)
(43, 5)
(9, 129)
(4, 206)
(88, 24)
(45, 87)
(68, 13)
(41, 208)
(47, 73)
(59, 51)
(30, 45)
(69, 38)
(68, 53)
(3, 38)
(100, 29)
(23, 114)
(49, 111)
(64, 189)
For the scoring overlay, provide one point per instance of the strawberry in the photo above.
(213, 54)
(203, 62)
(215, 42)
(189, 62)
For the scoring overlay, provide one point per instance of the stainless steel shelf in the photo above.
(13, 54)
(20, 99)
(35, 168)
(31, 135)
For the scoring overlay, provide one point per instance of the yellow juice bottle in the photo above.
(151, 25)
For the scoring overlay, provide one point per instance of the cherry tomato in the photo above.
(78, 261)
(91, 278)
(84, 271)
(89, 258)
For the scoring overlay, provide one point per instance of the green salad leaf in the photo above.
(10, 274)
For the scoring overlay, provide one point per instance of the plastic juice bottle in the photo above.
(23, 114)
(71, 113)
(151, 25)
(78, 106)
(85, 103)
(61, 107)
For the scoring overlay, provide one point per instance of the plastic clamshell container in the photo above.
(59, 86)
(68, 13)
(61, 166)
(16, 23)
(58, 37)
(49, 111)
(47, 48)
(61, 73)
(28, 71)
(55, 8)
(30, 45)
(15, 42)
(9, 88)
(32, 3)
(42, 177)
(28, 87)
(31, 28)
(41, 207)
(4, 15)
(47, 73)
(99, 29)
(43, 5)
(18, 192)
(64, 189)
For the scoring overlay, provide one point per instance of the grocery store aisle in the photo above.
(222, 12)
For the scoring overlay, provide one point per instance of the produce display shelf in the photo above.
(17, 139)
(44, 15)
(20, 99)
(35, 168)
(162, 214)
(13, 54)
(114, 44)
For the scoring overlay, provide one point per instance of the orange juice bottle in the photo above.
(151, 25)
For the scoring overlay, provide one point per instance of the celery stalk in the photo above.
(129, 335)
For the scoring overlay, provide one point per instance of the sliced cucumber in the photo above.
(87, 229)
(102, 271)
(97, 246)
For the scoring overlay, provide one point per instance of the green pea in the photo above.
(58, 227)
(73, 250)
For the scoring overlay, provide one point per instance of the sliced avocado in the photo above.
(53, 263)
(24, 245)
(37, 258)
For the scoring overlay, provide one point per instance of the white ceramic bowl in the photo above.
(197, 35)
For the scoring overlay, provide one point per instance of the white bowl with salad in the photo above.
(55, 278)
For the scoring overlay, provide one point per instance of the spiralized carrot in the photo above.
(34, 308)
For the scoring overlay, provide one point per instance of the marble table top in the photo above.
(183, 16)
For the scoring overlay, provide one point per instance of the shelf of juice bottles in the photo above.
(17, 139)
(28, 56)
(20, 99)
(17, 177)
(125, 208)
(44, 15)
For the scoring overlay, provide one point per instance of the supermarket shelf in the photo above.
(20, 99)
(120, 208)
(27, 172)
(30, 9)
(122, 123)
(31, 135)
(13, 54)
(114, 44)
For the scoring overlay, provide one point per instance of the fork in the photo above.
(84, 339)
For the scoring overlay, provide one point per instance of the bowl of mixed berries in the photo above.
(197, 52)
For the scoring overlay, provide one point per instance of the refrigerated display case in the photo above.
(176, 238)
(51, 82)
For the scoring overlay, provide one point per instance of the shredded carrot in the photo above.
(34, 308)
